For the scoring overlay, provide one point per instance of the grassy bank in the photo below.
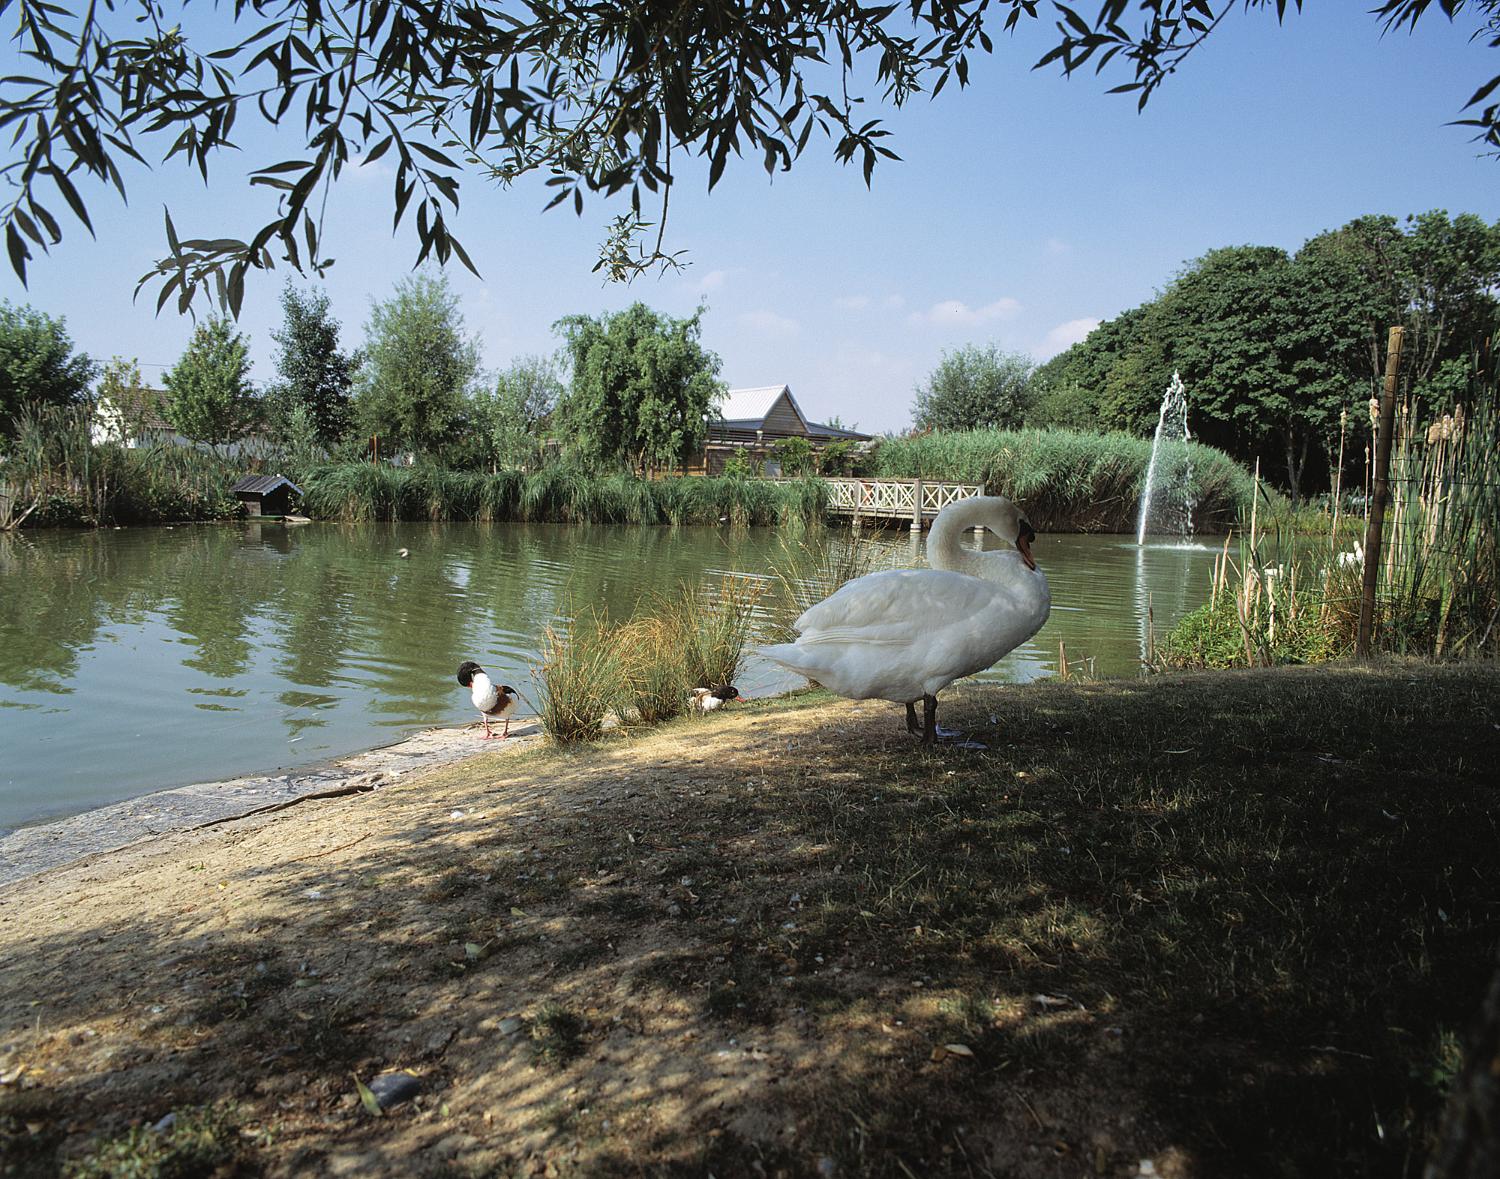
(1071, 481)
(1234, 924)
(361, 492)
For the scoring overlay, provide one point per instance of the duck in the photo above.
(904, 635)
(494, 703)
(710, 699)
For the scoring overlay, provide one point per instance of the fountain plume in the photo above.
(1171, 483)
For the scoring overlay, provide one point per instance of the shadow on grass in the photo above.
(1238, 922)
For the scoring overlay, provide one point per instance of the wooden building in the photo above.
(752, 421)
(267, 495)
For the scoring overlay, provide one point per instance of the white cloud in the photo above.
(893, 302)
(769, 324)
(714, 280)
(1056, 245)
(852, 302)
(1065, 335)
(955, 311)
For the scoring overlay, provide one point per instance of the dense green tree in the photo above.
(1436, 278)
(595, 97)
(313, 373)
(37, 363)
(511, 414)
(413, 387)
(209, 398)
(642, 388)
(975, 388)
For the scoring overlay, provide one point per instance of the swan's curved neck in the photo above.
(945, 542)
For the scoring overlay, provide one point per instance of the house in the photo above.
(266, 495)
(752, 421)
(133, 418)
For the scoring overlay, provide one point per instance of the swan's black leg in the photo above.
(929, 719)
(911, 718)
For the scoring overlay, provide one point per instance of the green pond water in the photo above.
(139, 659)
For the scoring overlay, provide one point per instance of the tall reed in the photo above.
(578, 679)
(359, 492)
(1437, 584)
(715, 628)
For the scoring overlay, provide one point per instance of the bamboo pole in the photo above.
(1376, 526)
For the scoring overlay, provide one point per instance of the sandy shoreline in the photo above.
(27, 851)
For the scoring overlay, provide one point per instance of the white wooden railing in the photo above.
(896, 499)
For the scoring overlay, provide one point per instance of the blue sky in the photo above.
(1023, 211)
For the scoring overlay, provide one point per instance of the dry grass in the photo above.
(1232, 923)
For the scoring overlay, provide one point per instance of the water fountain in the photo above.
(1170, 480)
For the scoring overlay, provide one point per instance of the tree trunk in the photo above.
(1294, 464)
(1469, 1143)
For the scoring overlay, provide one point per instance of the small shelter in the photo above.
(266, 495)
(752, 421)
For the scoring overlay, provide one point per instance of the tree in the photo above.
(37, 363)
(414, 385)
(208, 393)
(593, 96)
(314, 374)
(975, 388)
(642, 388)
(511, 414)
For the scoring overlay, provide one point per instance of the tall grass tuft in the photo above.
(654, 673)
(715, 628)
(1070, 481)
(579, 679)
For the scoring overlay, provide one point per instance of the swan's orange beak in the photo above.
(1023, 542)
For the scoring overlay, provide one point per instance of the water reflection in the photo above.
(138, 659)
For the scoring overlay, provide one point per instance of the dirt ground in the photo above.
(783, 940)
(555, 1024)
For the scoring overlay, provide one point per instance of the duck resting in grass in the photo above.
(905, 634)
(494, 703)
(710, 699)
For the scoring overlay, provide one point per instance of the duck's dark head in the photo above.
(727, 692)
(466, 671)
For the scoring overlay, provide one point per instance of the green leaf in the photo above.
(368, 1099)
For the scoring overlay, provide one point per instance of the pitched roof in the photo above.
(139, 405)
(752, 405)
(263, 484)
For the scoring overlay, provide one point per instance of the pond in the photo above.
(139, 659)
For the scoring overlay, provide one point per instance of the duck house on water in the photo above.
(267, 495)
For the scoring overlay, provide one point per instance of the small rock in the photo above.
(166, 1123)
(510, 1025)
(394, 1088)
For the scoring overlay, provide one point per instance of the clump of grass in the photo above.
(715, 628)
(655, 675)
(579, 679)
(556, 1035)
(201, 1141)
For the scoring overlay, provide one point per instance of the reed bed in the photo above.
(809, 567)
(54, 475)
(1438, 584)
(362, 492)
(1071, 481)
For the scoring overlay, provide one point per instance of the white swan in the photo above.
(905, 634)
